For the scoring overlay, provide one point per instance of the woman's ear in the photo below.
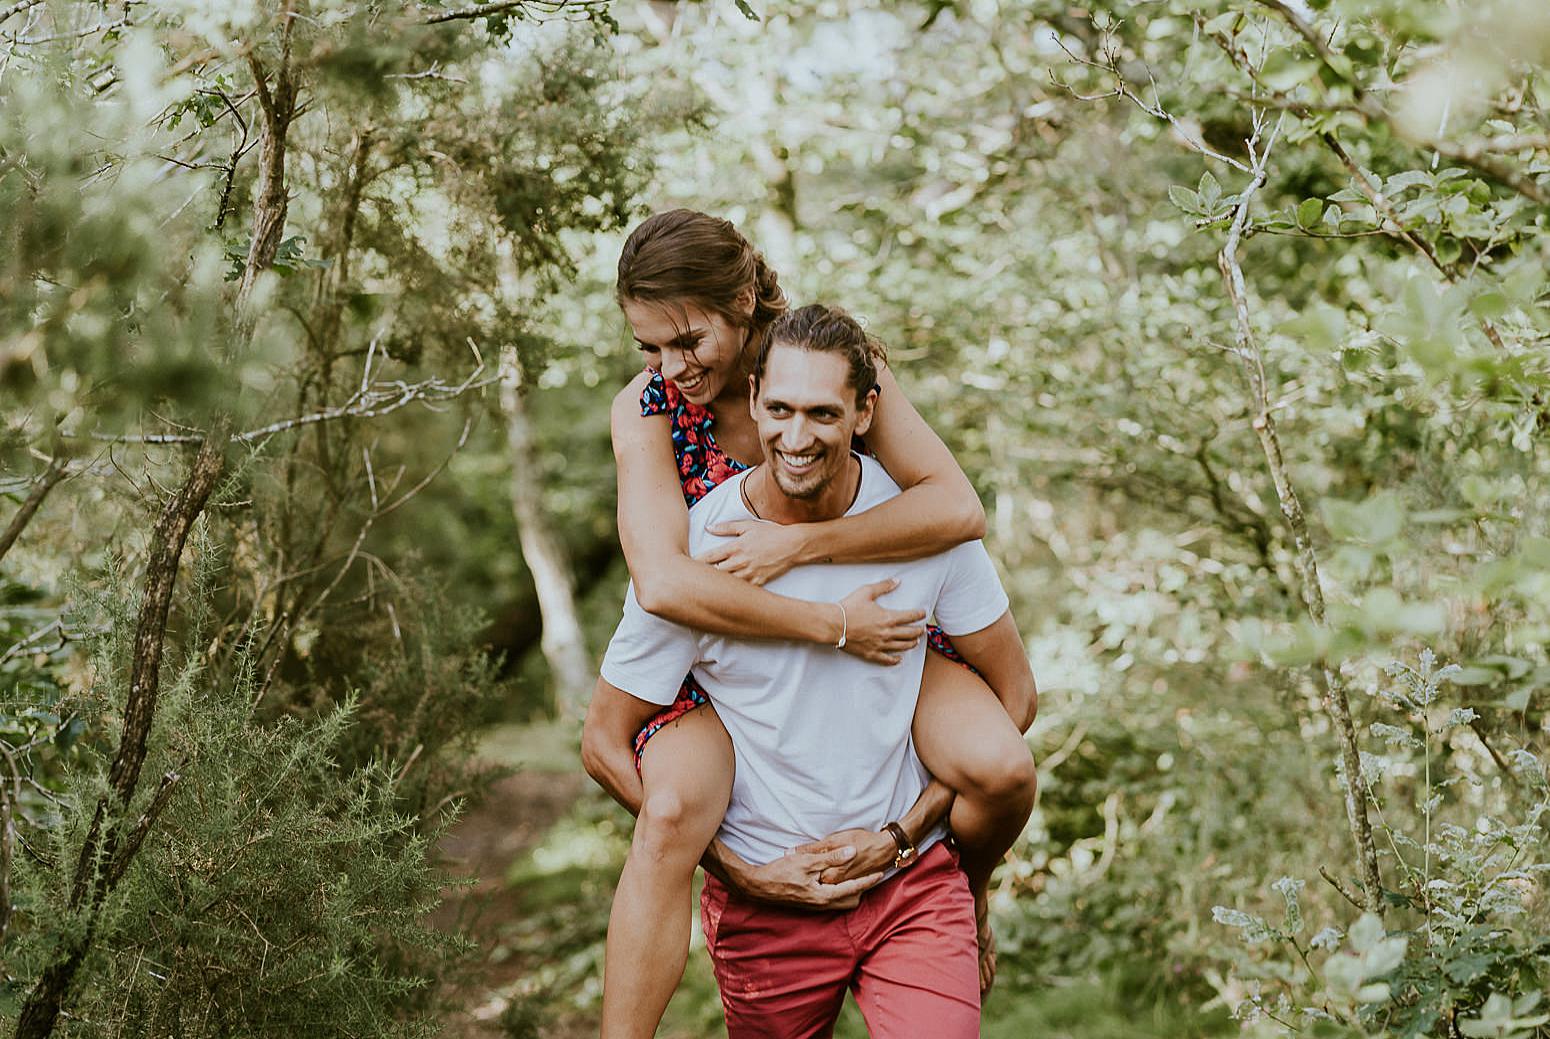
(745, 301)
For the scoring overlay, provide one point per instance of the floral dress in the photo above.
(702, 466)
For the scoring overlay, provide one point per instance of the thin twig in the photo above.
(1344, 892)
(546, 7)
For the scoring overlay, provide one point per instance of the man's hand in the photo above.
(875, 852)
(793, 879)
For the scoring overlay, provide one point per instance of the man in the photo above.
(822, 740)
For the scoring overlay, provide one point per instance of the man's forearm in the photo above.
(930, 808)
(726, 866)
(611, 765)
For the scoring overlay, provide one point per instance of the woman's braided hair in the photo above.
(683, 256)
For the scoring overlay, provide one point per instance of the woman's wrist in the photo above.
(806, 544)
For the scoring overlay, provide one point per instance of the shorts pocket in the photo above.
(713, 903)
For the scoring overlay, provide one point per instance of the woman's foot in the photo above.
(987, 942)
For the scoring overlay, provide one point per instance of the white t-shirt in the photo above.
(822, 738)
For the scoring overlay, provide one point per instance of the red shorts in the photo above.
(908, 952)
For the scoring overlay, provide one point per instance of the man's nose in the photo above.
(795, 436)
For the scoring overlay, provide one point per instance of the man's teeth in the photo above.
(798, 461)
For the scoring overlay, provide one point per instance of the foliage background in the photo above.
(1043, 208)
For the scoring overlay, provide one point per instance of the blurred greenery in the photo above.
(1029, 202)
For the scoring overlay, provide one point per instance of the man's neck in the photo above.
(767, 501)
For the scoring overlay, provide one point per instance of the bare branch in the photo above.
(1335, 698)
(371, 401)
(51, 476)
(1154, 109)
(1345, 892)
(17, 8)
(131, 845)
(73, 35)
(537, 7)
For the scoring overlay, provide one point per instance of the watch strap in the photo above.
(907, 851)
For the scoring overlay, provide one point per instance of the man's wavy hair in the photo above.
(829, 330)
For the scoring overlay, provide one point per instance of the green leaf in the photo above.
(1285, 70)
(748, 12)
(1309, 212)
(1210, 191)
(1185, 199)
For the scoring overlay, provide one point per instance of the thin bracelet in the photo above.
(844, 627)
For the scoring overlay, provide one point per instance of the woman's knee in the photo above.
(1004, 775)
(677, 823)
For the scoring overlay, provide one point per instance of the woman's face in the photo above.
(697, 350)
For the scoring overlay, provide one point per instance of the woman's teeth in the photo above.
(690, 385)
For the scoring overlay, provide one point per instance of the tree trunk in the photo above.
(101, 862)
(563, 646)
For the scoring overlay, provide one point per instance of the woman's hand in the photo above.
(875, 633)
(760, 550)
(875, 852)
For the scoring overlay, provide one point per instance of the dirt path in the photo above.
(519, 810)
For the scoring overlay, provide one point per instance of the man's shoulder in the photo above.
(876, 485)
(722, 502)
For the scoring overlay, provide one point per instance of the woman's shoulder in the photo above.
(635, 398)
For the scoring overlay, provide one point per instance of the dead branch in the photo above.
(371, 400)
(51, 476)
(17, 8)
(535, 7)
(131, 846)
(1345, 893)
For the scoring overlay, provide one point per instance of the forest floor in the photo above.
(479, 850)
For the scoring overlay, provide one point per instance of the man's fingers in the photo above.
(851, 888)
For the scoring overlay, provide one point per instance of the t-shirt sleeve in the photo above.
(972, 598)
(648, 657)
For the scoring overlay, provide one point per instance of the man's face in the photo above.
(806, 412)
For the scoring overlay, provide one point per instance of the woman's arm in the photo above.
(654, 532)
(938, 509)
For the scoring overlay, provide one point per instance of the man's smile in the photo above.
(798, 463)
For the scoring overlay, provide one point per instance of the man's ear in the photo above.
(753, 397)
(865, 412)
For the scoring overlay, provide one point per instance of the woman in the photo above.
(699, 299)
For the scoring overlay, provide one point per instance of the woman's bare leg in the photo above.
(686, 772)
(968, 741)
